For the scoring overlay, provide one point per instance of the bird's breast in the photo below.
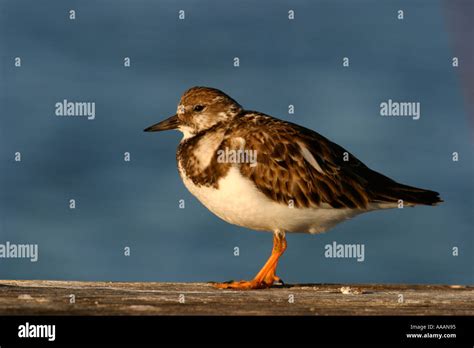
(238, 201)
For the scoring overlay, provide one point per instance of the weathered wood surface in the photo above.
(40, 297)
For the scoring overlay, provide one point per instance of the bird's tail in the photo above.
(382, 189)
(409, 194)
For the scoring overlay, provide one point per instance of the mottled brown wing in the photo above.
(323, 173)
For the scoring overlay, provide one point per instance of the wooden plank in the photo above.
(42, 297)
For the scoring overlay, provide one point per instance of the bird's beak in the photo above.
(170, 123)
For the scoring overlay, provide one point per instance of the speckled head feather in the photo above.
(201, 108)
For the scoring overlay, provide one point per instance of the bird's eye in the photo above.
(199, 108)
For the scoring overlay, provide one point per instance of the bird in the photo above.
(263, 173)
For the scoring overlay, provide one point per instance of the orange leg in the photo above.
(266, 277)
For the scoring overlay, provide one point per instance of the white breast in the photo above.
(239, 202)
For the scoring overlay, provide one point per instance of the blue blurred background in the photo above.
(282, 62)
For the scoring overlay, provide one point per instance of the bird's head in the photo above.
(199, 109)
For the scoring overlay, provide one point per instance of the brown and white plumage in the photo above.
(301, 181)
(299, 164)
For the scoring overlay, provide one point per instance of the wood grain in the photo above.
(42, 297)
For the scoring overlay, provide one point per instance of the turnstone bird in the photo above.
(296, 180)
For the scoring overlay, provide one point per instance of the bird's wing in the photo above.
(295, 164)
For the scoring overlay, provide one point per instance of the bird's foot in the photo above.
(266, 277)
(249, 284)
(242, 285)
